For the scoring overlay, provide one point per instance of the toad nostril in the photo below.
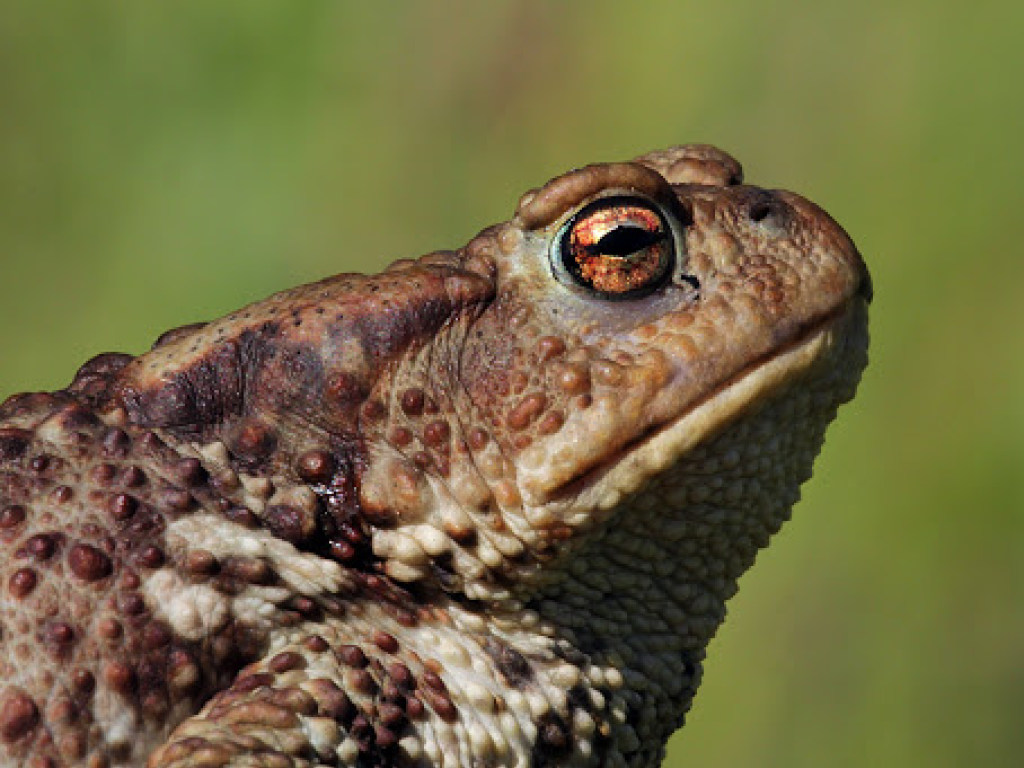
(759, 210)
(691, 280)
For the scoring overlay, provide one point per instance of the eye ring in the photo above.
(615, 248)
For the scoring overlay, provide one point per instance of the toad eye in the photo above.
(617, 248)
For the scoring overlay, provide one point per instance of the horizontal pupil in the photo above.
(616, 247)
(624, 240)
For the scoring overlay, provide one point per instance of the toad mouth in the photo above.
(604, 486)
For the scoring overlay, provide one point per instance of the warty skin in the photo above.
(482, 509)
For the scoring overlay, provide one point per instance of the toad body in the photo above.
(482, 509)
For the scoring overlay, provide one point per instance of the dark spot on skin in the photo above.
(512, 665)
(156, 635)
(83, 681)
(247, 570)
(332, 701)
(109, 629)
(22, 582)
(74, 417)
(116, 442)
(316, 644)
(285, 661)
(131, 604)
(13, 443)
(250, 683)
(574, 379)
(189, 472)
(477, 438)
(572, 655)
(120, 677)
(88, 563)
(382, 517)
(201, 562)
(526, 410)
(554, 740)
(361, 680)
(342, 551)
(252, 443)
(41, 547)
(150, 556)
(437, 434)
(372, 410)
(59, 635)
(519, 442)
(361, 730)
(412, 401)
(404, 616)
(151, 442)
(400, 437)
(549, 347)
(316, 466)
(242, 516)
(433, 681)
(123, 506)
(578, 698)
(305, 606)
(19, 714)
(12, 517)
(414, 708)
(352, 656)
(402, 676)
(175, 499)
(385, 738)
(133, 477)
(154, 704)
(550, 423)
(225, 482)
(385, 641)
(390, 694)
(289, 523)
(345, 389)
(442, 705)
(92, 380)
(103, 474)
(391, 715)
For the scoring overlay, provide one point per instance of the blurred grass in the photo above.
(161, 164)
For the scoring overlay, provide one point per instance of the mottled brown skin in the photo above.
(461, 513)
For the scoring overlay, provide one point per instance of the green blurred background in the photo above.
(164, 163)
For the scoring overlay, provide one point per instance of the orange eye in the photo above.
(618, 247)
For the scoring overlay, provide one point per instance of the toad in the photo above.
(482, 509)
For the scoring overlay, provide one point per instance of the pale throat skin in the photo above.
(482, 509)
